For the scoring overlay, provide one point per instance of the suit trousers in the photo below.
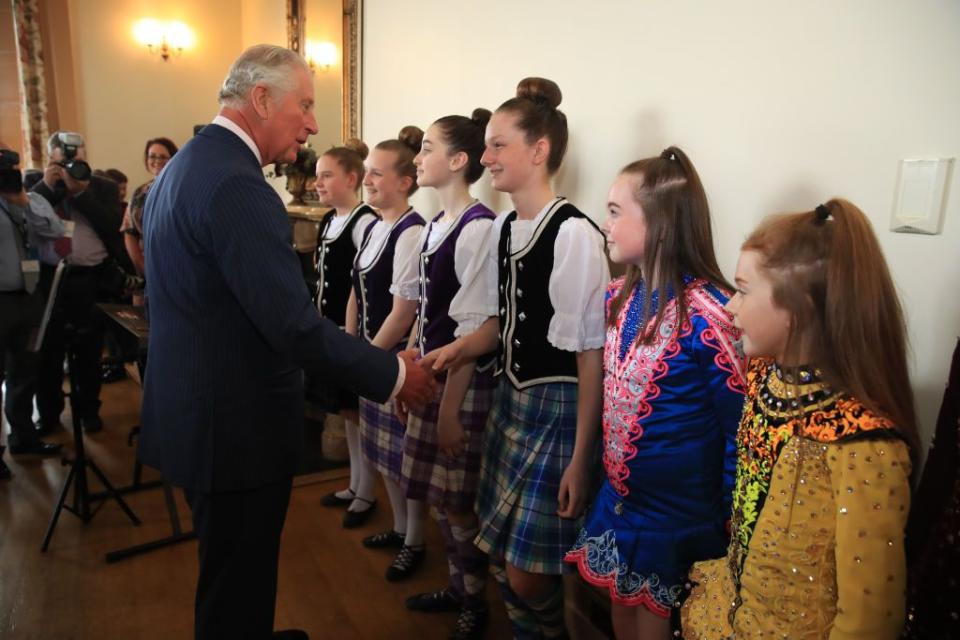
(239, 535)
(20, 314)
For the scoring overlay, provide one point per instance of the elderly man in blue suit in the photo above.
(231, 329)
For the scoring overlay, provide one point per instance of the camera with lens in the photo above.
(77, 168)
(11, 180)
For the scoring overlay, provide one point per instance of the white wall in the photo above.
(125, 95)
(780, 105)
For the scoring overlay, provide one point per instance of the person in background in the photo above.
(99, 270)
(26, 222)
(156, 155)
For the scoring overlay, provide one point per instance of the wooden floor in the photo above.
(328, 585)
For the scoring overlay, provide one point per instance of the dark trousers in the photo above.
(19, 317)
(239, 535)
(76, 307)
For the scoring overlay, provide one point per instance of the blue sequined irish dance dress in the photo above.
(671, 408)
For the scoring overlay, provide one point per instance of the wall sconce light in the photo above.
(322, 55)
(166, 38)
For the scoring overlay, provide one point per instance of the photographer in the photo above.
(27, 222)
(99, 272)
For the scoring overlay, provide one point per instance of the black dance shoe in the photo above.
(407, 561)
(354, 519)
(333, 500)
(471, 623)
(442, 601)
(384, 540)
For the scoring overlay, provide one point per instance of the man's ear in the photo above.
(260, 100)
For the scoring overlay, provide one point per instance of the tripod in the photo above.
(82, 498)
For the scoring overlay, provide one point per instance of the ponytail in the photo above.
(829, 272)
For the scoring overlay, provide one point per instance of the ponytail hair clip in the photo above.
(822, 213)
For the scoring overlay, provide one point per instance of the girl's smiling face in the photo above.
(384, 186)
(511, 160)
(334, 185)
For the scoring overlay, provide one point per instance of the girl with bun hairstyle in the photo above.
(540, 449)
(381, 310)
(339, 175)
(673, 392)
(443, 443)
(824, 448)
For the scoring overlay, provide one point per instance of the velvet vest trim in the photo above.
(334, 260)
(372, 283)
(523, 352)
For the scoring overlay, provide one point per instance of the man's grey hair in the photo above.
(55, 141)
(264, 64)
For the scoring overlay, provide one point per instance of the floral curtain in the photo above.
(33, 87)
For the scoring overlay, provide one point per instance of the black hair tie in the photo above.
(822, 213)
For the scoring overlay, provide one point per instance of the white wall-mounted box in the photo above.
(921, 195)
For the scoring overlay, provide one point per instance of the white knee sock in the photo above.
(398, 502)
(352, 432)
(367, 475)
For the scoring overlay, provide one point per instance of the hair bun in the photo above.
(540, 90)
(358, 146)
(412, 137)
(481, 117)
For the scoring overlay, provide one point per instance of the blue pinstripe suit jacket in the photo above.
(232, 327)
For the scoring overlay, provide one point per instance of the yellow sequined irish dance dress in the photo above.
(820, 505)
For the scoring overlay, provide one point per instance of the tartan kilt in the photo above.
(381, 437)
(529, 443)
(428, 473)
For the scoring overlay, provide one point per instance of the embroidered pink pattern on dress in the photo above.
(628, 388)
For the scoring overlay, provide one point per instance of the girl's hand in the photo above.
(444, 358)
(573, 491)
(451, 435)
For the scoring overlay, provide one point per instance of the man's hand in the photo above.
(52, 174)
(74, 187)
(419, 387)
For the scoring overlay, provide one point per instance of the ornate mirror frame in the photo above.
(352, 50)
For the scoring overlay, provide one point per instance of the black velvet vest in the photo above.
(334, 262)
(439, 284)
(523, 352)
(372, 284)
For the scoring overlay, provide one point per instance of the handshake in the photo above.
(420, 385)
